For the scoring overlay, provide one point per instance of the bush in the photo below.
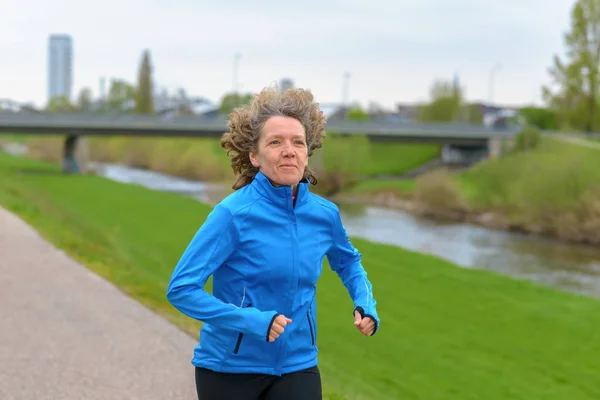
(582, 223)
(193, 158)
(138, 152)
(554, 189)
(49, 149)
(438, 192)
(528, 139)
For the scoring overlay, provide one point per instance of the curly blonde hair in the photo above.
(246, 123)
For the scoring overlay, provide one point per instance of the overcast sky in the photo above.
(393, 49)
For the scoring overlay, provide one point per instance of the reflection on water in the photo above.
(567, 266)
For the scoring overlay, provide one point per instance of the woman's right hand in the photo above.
(278, 327)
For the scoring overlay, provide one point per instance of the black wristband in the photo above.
(361, 311)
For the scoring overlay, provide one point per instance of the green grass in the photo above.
(447, 332)
(398, 158)
(360, 156)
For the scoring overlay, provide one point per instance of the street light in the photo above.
(496, 67)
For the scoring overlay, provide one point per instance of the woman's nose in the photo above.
(288, 150)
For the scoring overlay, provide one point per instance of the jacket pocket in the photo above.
(310, 327)
(239, 339)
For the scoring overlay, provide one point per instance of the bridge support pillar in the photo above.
(494, 148)
(70, 165)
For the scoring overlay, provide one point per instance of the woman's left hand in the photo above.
(365, 325)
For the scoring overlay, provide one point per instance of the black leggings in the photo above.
(301, 385)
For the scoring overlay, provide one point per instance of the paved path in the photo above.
(67, 334)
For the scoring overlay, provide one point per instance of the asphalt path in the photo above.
(66, 333)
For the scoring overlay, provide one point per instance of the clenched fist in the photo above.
(278, 327)
(365, 325)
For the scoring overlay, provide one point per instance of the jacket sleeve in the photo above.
(214, 242)
(345, 260)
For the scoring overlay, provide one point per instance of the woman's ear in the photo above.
(254, 159)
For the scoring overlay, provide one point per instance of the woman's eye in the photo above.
(275, 142)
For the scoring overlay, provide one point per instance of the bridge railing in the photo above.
(92, 123)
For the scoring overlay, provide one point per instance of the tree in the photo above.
(184, 104)
(446, 103)
(356, 113)
(120, 95)
(577, 77)
(60, 104)
(144, 103)
(233, 100)
(84, 101)
(473, 114)
(541, 118)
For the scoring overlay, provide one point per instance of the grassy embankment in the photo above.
(344, 163)
(13, 138)
(447, 332)
(553, 189)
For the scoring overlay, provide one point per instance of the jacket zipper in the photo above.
(237, 345)
(291, 214)
(312, 335)
(239, 340)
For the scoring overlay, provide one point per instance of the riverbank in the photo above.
(464, 333)
(552, 190)
(402, 198)
(342, 161)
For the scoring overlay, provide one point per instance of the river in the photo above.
(566, 266)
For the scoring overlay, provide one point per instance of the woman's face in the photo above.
(282, 153)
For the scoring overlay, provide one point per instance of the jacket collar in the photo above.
(280, 195)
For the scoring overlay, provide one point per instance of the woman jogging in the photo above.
(264, 246)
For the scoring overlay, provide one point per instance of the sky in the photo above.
(393, 50)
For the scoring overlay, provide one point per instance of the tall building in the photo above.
(60, 66)
(285, 84)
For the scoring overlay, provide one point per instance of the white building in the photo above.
(60, 66)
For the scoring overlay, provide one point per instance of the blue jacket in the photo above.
(265, 256)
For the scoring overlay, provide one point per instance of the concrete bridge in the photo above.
(462, 142)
